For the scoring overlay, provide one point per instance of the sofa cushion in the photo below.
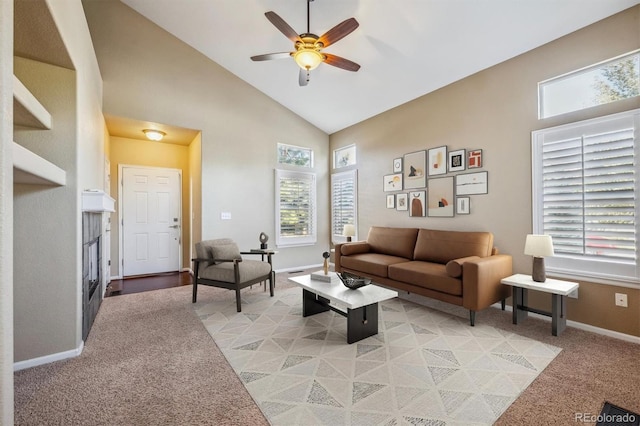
(248, 269)
(393, 241)
(220, 248)
(427, 275)
(348, 249)
(454, 267)
(443, 246)
(371, 263)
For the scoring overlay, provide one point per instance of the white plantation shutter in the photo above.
(585, 192)
(344, 192)
(295, 208)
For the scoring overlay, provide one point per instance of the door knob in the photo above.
(174, 226)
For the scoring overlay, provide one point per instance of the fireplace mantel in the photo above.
(95, 200)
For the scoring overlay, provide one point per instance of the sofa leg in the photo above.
(472, 317)
(238, 300)
(195, 292)
(503, 303)
(272, 282)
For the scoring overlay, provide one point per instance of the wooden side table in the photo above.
(558, 289)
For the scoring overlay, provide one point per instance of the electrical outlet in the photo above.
(225, 215)
(621, 300)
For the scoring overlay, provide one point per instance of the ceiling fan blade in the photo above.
(339, 62)
(284, 28)
(270, 56)
(341, 30)
(303, 77)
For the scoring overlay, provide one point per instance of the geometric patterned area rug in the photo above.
(424, 367)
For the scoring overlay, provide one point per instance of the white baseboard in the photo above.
(582, 326)
(298, 268)
(34, 362)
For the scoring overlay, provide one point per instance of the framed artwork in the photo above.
(462, 205)
(457, 160)
(397, 165)
(414, 173)
(472, 183)
(475, 159)
(343, 157)
(391, 201)
(438, 161)
(401, 202)
(440, 202)
(392, 182)
(417, 203)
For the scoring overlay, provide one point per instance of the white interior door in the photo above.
(150, 220)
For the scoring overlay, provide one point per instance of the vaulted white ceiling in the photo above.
(406, 48)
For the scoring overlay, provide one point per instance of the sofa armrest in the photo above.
(481, 277)
(346, 249)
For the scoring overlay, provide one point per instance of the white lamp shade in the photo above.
(349, 231)
(538, 245)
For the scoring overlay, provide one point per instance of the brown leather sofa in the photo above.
(462, 268)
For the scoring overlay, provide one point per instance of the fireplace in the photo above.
(91, 269)
(96, 206)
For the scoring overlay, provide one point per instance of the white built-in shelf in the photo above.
(27, 110)
(33, 169)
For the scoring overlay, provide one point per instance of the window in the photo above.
(344, 157)
(295, 208)
(609, 81)
(344, 192)
(585, 191)
(295, 155)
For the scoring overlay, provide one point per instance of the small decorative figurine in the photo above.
(326, 262)
(263, 240)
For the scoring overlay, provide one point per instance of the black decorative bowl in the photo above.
(353, 281)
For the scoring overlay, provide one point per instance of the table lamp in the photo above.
(538, 246)
(349, 231)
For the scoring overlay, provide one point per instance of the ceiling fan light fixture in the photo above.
(154, 135)
(308, 59)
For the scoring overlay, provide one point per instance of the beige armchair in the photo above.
(219, 263)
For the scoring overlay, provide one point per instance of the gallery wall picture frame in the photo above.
(463, 205)
(457, 160)
(397, 165)
(474, 159)
(415, 165)
(391, 201)
(417, 203)
(472, 183)
(402, 202)
(344, 157)
(392, 182)
(440, 202)
(438, 161)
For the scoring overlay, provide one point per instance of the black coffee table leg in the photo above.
(313, 304)
(362, 322)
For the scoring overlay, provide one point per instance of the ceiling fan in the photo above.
(308, 47)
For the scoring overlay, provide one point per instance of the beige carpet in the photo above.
(150, 361)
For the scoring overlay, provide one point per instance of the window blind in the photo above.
(296, 212)
(589, 195)
(343, 203)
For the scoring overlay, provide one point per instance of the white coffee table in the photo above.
(359, 306)
(559, 291)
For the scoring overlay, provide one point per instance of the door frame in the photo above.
(121, 208)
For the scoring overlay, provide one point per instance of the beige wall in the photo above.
(47, 223)
(496, 111)
(6, 213)
(195, 184)
(160, 79)
(133, 152)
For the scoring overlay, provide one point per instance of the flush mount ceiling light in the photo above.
(154, 135)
